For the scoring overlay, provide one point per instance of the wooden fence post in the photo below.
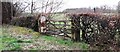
(39, 26)
(75, 20)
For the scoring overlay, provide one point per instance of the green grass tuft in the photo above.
(81, 45)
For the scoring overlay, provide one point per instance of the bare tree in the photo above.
(38, 6)
(49, 6)
(20, 7)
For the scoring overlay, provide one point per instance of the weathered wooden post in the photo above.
(64, 29)
(42, 22)
(84, 27)
(38, 21)
(75, 20)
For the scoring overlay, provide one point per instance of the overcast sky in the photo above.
(85, 3)
(88, 3)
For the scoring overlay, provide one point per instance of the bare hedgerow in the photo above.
(99, 31)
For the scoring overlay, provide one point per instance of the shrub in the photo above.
(29, 22)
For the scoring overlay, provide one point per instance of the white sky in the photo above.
(88, 3)
(85, 3)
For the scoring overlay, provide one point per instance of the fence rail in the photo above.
(58, 27)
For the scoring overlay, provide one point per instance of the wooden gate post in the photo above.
(75, 20)
(38, 21)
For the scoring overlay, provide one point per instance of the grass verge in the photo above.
(81, 45)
